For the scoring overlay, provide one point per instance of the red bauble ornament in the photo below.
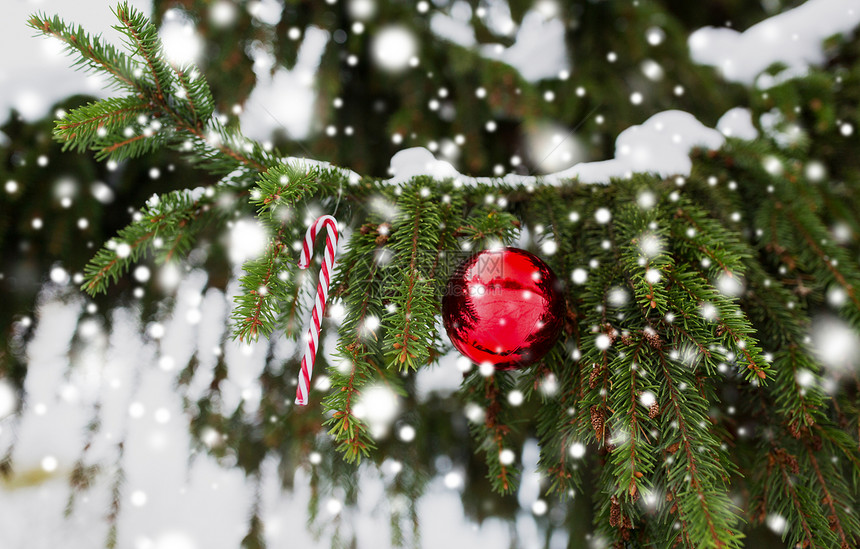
(504, 307)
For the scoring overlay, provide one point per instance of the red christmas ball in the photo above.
(503, 306)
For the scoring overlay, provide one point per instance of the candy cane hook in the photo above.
(312, 340)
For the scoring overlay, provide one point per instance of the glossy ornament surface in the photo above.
(503, 306)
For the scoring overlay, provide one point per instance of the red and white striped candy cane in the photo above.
(310, 354)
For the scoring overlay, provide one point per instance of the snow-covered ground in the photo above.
(173, 498)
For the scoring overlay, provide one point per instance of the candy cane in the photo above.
(310, 354)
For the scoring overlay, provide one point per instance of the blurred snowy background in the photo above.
(106, 396)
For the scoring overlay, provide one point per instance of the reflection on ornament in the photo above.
(504, 307)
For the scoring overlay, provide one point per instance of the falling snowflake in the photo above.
(393, 47)
(577, 450)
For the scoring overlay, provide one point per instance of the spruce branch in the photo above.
(182, 106)
(557, 427)
(486, 227)
(265, 285)
(414, 238)
(494, 431)
(450, 211)
(799, 507)
(695, 473)
(93, 54)
(280, 188)
(682, 535)
(827, 260)
(633, 455)
(645, 256)
(776, 490)
(143, 38)
(352, 435)
(290, 312)
(196, 91)
(172, 108)
(81, 128)
(835, 497)
(358, 347)
(629, 465)
(166, 225)
(724, 323)
(268, 282)
(800, 405)
(597, 351)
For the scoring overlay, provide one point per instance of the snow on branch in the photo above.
(793, 38)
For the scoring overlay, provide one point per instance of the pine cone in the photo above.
(652, 338)
(654, 410)
(788, 460)
(794, 430)
(593, 378)
(384, 231)
(793, 465)
(614, 512)
(816, 443)
(833, 522)
(634, 492)
(597, 422)
(610, 332)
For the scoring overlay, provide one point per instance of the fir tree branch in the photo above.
(829, 500)
(643, 343)
(414, 238)
(683, 535)
(94, 55)
(268, 281)
(449, 211)
(632, 456)
(351, 434)
(593, 409)
(290, 310)
(828, 260)
(486, 227)
(197, 93)
(557, 426)
(256, 308)
(630, 461)
(209, 141)
(733, 329)
(494, 431)
(358, 346)
(802, 512)
(712, 509)
(145, 40)
(799, 405)
(84, 125)
(789, 498)
(644, 255)
(163, 219)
